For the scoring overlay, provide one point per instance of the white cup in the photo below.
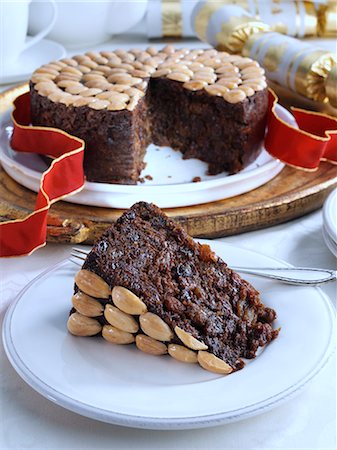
(85, 23)
(14, 16)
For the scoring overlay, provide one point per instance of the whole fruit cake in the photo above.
(146, 281)
(208, 104)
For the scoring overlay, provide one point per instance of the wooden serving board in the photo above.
(290, 194)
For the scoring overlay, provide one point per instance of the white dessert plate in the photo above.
(35, 56)
(171, 176)
(330, 215)
(121, 385)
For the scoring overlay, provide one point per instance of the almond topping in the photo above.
(68, 83)
(249, 91)
(92, 284)
(116, 105)
(87, 305)
(160, 73)
(120, 320)
(83, 101)
(139, 73)
(80, 325)
(72, 70)
(119, 87)
(182, 353)
(216, 90)
(149, 345)
(234, 96)
(76, 89)
(91, 92)
(116, 336)
(128, 302)
(155, 327)
(189, 340)
(178, 76)
(37, 77)
(194, 85)
(48, 70)
(213, 364)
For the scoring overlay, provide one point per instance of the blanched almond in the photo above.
(149, 345)
(86, 305)
(72, 70)
(234, 96)
(155, 327)
(120, 320)
(92, 284)
(116, 105)
(68, 83)
(91, 92)
(178, 76)
(116, 336)
(182, 353)
(127, 302)
(216, 89)
(76, 89)
(80, 325)
(212, 363)
(161, 73)
(189, 340)
(83, 101)
(99, 104)
(195, 85)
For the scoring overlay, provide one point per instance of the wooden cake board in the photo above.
(292, 193)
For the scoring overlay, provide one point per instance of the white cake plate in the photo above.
(167, 177)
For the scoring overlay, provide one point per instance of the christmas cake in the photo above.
(147, 282)
(208, 104)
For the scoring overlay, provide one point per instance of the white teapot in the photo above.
(82, 23)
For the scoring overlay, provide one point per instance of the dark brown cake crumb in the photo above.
(196, 179)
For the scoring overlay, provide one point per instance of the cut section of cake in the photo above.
(146, 281)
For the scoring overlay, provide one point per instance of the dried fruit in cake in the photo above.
(168, 294)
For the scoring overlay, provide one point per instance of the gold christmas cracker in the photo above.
(331, 85)
(327, 19)
(296, 65)
(225, 26)
(171, 18)
(297, 18)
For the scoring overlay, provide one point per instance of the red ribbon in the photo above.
(304, 148)
(315, 140)
(64, 177)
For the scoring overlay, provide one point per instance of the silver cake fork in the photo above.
(302, 276)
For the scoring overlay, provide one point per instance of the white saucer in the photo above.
(40, 53)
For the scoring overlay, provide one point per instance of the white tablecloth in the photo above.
(308, 421)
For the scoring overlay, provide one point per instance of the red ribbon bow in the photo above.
(315, 140)
(304, 148)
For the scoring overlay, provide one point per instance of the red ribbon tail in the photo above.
(64, 177)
